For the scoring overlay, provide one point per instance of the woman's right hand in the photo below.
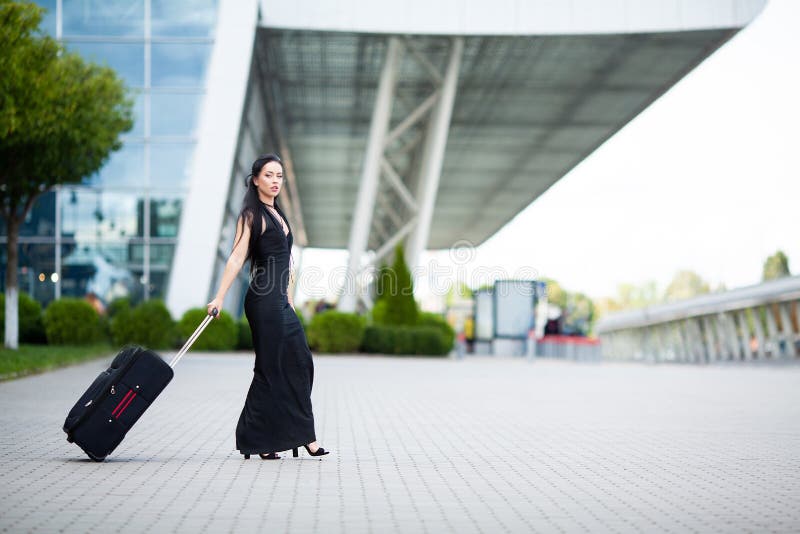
(216, 303)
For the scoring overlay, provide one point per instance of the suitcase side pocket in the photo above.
(125, 406)
(100, 389)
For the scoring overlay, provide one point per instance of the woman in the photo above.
(277, 413)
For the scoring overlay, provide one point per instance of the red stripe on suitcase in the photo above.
(121, 402)
(126, 406)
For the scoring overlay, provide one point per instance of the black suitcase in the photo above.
(119, 396)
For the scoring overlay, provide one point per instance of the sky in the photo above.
(707, 178)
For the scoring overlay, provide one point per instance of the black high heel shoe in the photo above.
(318, 452)
(269, 456)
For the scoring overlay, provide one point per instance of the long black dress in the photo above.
(277, 413)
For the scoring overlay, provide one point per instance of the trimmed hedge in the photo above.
(399, 340)
(31, 327)
(437, 321)
(334, 331)
(149, 324)
(71, 321)
(117, 305)
(221, 334)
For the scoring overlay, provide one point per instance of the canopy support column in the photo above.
(433, 156)
(368, 186)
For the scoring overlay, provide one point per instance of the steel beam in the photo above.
(391, 242)
(396, 181)
(436, 77)
(414, 117)
(433, 155)
(368, 186)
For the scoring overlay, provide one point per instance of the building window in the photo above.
(119, 18)
(41, 219)
(118, 229)
(125, 58)
(183, 18)
(125, 168)
(173, 114)
(89, 214)
(165, 215)
(179, 64)
(169, 165)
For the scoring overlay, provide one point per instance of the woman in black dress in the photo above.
(277, 413)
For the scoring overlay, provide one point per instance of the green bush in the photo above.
(71, 321)
(31, 327)
(245, 341)
(399, 340)
(431, 341)
(120, 326)
(221, 334)
(118, 305)
(335, 331)
(439, 322)
(380, 339)
(112, 325)
(148, 324)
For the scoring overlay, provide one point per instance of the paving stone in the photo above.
(423, 445)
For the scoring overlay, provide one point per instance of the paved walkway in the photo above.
(481, 445)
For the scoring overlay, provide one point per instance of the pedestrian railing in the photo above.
(751, 323)
(569, 348)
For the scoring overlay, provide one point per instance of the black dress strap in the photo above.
(276, 221)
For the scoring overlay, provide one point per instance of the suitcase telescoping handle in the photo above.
(189, 342)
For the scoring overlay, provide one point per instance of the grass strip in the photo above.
(32, 359)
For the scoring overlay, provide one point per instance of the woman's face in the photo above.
(269, 181)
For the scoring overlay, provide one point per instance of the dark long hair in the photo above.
(250, 214)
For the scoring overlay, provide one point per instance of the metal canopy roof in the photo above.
(528, 109)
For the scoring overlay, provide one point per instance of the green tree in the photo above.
(686, 284)
(628, 297)
(631, 296)
(60, 118)
(384, 281)
(401, 308)
(776, 266)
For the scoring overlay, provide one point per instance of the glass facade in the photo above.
(115, 234)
